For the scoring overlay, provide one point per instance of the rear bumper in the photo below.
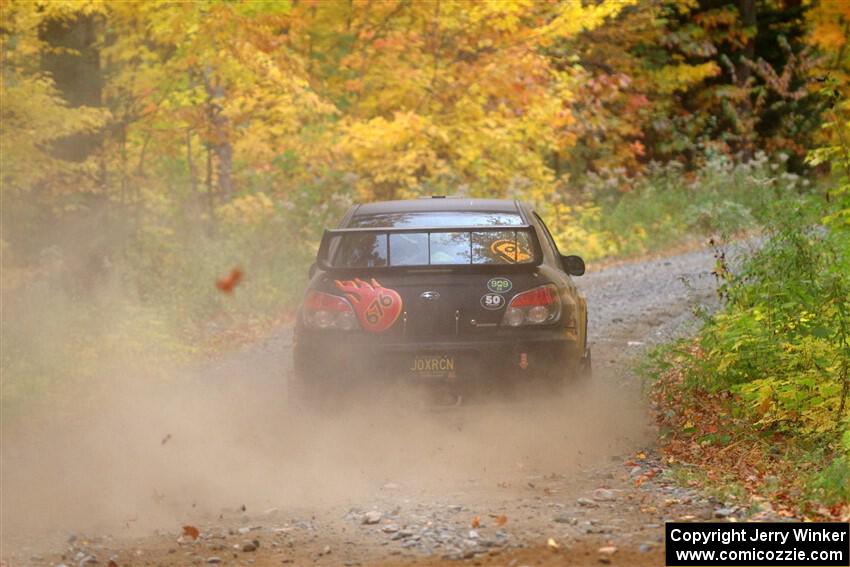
(534, 352)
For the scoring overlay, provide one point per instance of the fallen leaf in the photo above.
(476, 521)
(501, 520)
(191, 531)
(230, 281)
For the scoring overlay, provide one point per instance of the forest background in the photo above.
(150, 148)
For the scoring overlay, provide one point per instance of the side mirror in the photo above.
(573, 265)
(312, 271)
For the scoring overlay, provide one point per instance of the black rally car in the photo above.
(448, 290)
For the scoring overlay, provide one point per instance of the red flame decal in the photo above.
(376, 306)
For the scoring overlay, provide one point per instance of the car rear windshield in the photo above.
(464, 246)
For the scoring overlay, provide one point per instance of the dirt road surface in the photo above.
(559, 480)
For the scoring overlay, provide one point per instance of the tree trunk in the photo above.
(219, 136)
(747, 9)
(74, 64)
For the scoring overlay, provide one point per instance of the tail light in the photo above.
(326, 311)
(537, 306)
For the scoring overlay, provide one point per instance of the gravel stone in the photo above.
(249, 546)
(603, 495)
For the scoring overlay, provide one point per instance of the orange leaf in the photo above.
(501, 520)
(476, 521)
(230, 281)
(191, 531)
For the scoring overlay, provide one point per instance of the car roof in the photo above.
(454, 204)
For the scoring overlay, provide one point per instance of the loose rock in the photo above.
(603, 495)
(605, 553)
(249, 546)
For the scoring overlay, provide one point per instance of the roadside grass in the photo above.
(759, 396)
(726, 490)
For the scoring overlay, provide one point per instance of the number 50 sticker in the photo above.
(492, 301)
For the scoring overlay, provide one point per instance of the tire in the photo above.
(582, 381)
(308, 384)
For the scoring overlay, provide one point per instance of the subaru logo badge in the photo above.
(430, 295)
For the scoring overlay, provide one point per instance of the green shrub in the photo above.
(831, 485)
(667, 205)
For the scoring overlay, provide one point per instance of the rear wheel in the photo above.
(569, 374)
(311, 384)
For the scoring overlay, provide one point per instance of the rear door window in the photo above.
(552, 247)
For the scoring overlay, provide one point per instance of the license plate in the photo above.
(436, 365)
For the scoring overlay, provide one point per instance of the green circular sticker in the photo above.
(499, 285)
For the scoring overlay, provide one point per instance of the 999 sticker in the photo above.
(499, 285)
(492, 301)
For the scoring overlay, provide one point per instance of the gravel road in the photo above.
(507, 482)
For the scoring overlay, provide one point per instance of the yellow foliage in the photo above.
(248, 210)
(390, 155)
(576, 17)
(673, 78)
(569, 225)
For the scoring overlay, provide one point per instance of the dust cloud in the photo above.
(157, 456)
(140, 446)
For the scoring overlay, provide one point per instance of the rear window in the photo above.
(461, 247)
(460, 219)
